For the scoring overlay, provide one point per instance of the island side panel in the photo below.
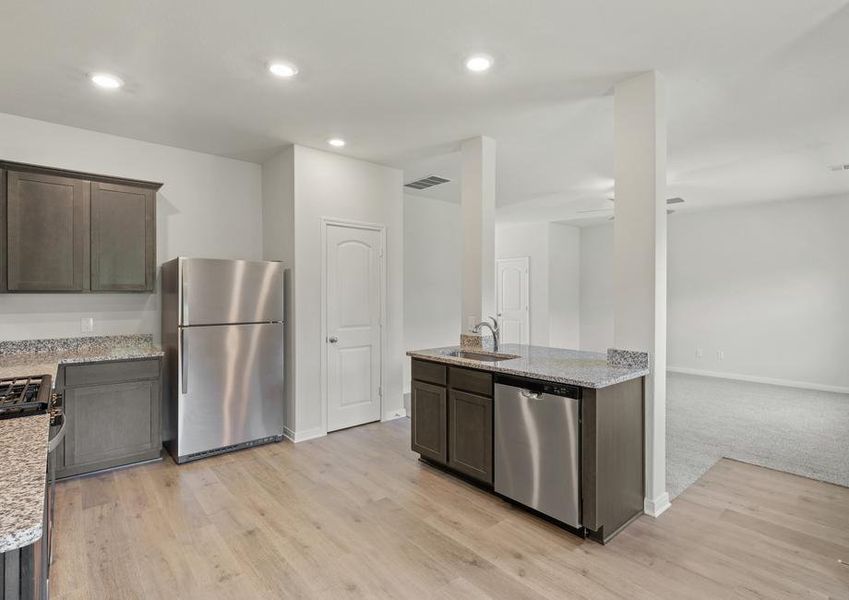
(613, 471)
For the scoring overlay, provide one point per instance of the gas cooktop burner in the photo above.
(24, 396)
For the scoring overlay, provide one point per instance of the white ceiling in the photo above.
(758, 90)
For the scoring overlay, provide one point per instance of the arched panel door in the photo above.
(353, 309)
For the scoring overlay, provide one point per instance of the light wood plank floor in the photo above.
(355, 515)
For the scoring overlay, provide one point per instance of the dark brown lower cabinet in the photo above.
(113, 416)
(451, 415)
(470, 435)
(21, 573)
(429, 415)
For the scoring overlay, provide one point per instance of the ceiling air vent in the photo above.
(839, 167)
(426, 182)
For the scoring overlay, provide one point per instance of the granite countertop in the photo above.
(23, 440)
(574, 367)
(40, 357)
(23, 475)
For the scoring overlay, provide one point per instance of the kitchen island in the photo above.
(558, 431)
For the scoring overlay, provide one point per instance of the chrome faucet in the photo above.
(493, 327)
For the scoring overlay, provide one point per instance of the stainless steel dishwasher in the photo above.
(537, 446)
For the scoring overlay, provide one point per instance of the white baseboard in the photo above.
(657, 506)
(803, 385)
(397, 413)
(303, 436)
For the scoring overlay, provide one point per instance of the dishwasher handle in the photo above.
(530, 395)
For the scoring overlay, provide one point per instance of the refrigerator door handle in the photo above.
(184, 305)
(184, 362)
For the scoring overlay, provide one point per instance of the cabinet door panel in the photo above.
(123, 229)
(470, 435)
(47, 232)
(111, 424)
(429, 421)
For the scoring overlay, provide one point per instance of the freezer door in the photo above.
(537, 451)
(230, 386)
(230, 291)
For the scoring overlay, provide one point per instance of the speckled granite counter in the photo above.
(23, 475)
(39, 357)
(585, 369)
(23, 441)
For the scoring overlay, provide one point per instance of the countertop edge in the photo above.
(21, 537)
(506, 370)
(74, 360)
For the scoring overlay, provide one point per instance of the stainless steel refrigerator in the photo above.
(222, 332)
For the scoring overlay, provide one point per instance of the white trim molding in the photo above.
(408, 402)
(302, 436)
(657, 506)
(397, 413)
(802, 385)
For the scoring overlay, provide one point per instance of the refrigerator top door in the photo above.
(215, 292)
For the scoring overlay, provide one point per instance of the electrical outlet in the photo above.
(87, 325)
(700, 353)
(720, 354)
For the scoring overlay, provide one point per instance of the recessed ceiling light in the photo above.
(106, 81)
(478, 63)
(283, 69)
(336, 142)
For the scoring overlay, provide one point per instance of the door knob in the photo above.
(333, 339)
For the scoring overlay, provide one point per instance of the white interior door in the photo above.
(353, 312)
(513, 300)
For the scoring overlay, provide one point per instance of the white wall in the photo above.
(432, 288)
(208, 206)
(564, 289)
(596, 312)
(554, 278)
(333, 186)
(765, 284)
(278, 243)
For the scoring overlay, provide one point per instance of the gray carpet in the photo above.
(798, 431)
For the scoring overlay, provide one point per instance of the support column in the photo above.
(640, 255)
(477, 202)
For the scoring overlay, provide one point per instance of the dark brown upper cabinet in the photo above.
(47, 239)
(65, 231)
(123, 238)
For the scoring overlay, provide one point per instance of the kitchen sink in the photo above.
(482, 356)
